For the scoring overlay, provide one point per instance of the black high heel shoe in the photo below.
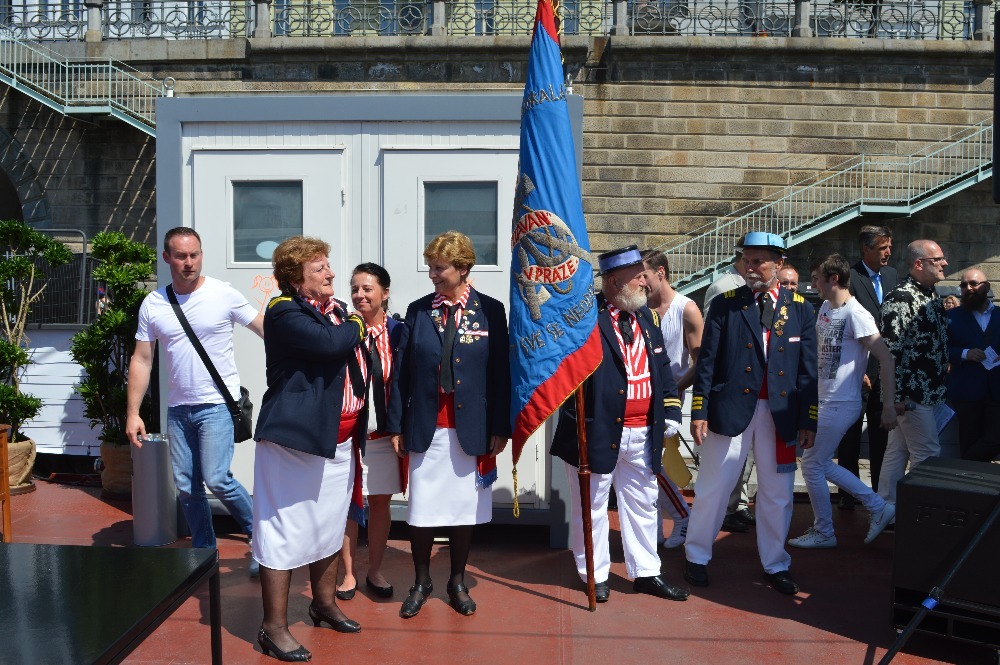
(297, 655)
(467, 606)
(416, 599)
(380, 591)
(345, 626)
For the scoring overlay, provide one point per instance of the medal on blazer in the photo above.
(779, 325)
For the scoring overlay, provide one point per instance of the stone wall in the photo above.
(677, 130)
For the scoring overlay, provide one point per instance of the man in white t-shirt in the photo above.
(845, 333)
(199, 425)
(682, 326)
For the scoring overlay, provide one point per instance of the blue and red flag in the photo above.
(555, 345)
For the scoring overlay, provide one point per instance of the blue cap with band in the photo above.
(761, 240)
(619, 258)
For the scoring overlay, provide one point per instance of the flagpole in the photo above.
(586, 508)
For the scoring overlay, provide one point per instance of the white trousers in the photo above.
(635, 485)
(835, 418)
(722, 459)
(913, 441)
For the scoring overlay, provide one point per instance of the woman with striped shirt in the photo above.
(383, 472)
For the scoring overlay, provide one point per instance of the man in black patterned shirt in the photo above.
(915, 327)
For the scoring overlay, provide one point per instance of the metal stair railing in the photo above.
(79, 86)
(863, 185)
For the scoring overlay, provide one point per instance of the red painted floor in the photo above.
(531, 606)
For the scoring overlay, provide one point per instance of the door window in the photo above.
(264, 214)
(468, 207)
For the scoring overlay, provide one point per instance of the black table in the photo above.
(76, 604)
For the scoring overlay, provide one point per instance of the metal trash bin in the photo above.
(154, 498)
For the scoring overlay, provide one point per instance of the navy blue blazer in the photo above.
(730, 369)
(306, 358)
(481, 371)
(970, 381)
(605, 394)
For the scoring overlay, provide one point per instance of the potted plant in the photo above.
(104, 349)
(20, 287)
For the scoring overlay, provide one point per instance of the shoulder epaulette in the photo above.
(656, 317)
(275, 301)
(797, 298)
(729, 294)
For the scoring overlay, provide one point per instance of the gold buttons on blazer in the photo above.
(458, 360)
(746, 391)
(783, 393)
(744, 308)
(749, 345)
(781, 372)
(458, 406)
(458, 382)
(621, 392)
(618, 420)
(748, 369)
(781, 348)
(614, 446)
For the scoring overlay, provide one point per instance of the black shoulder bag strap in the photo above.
(234, 408)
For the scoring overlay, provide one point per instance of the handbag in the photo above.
(241, 411)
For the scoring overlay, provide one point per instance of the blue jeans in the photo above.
(201, 450)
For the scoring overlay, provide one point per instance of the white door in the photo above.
(428, 191)
(245, 202)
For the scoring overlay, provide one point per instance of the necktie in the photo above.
(378, 385)
(625, 326)
(447, 345)
(766, 310)
(877, 282)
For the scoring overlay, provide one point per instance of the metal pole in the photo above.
(585, 505)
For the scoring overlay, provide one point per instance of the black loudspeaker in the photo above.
(940, 506)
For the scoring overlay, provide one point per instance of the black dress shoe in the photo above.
(782, 582)
(346, 594)
(345, 626)
(380, 591)
(297, 655)
(466, 606)
(696, 573)
(734, 524)
(846, 502)
(416, 599)
(744, 515)
(659, 587)
(602, 591)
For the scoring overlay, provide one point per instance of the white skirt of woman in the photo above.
(300, 504)
(443, 488)
(380, 468)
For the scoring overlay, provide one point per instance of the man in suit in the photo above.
(631, 403)
(871, 279)
(973, 389)
(755, 387)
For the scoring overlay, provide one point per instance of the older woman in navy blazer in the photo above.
(450, 408)
(306, 437)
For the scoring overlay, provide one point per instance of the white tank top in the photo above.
(672, 325)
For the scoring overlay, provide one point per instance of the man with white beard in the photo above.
(755, 387)
(631, 402)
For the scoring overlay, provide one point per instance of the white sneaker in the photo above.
(813, 540)
(878, 521)
(677, 536)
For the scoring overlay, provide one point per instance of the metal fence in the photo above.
(228, 19)
(70, 295)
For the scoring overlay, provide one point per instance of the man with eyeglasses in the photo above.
(915, 327)
(788, 277)
(974, 381)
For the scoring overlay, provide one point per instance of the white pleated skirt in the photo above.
(300, 504)
(443, 488)
(380, 468)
